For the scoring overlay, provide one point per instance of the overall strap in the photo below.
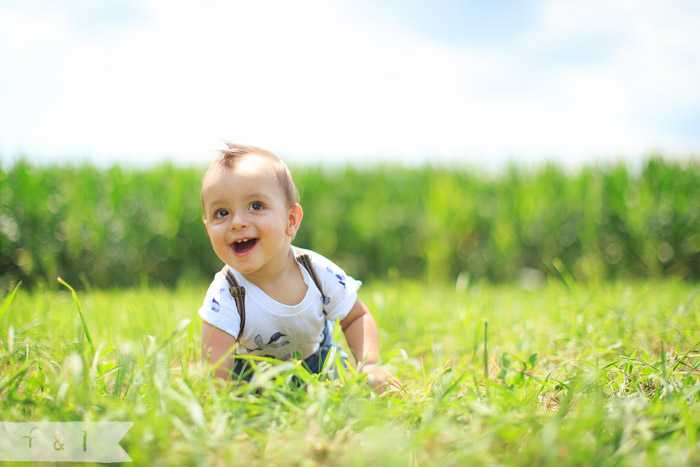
(305, 261)
(238, 294)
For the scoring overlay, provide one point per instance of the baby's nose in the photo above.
(238, 222)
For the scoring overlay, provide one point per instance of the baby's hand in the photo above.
(380, 378)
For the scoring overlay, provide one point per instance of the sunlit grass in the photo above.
(582, 375)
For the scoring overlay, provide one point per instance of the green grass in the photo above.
(572, 375)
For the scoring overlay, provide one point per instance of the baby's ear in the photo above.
(205, 224)
(295, 214)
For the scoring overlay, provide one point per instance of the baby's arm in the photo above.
(361, 334)
(215, 344)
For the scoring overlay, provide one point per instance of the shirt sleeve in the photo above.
(219, 308)
(340, 288)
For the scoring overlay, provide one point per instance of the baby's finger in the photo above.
(396, 387)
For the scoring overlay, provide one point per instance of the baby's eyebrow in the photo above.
(257, 196)
(214, 203)
(247, 198)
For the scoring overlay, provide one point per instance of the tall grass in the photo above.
(125, 227)
(571, 375)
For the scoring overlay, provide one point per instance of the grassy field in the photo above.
(120, 227)
(569, 374)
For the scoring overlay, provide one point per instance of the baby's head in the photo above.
(250, 209)
(230, 157)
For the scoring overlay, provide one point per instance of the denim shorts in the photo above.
(242, 370)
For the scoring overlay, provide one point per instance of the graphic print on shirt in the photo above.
(271, 343)
(340, 277)
(214, 305)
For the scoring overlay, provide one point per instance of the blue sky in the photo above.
(479, 83)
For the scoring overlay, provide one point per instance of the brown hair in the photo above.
(234, 153)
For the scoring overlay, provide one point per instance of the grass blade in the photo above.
(80, 313)
(675, 367)
(8, 300)
(486, 350)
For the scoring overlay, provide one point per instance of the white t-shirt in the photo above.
(276, 330)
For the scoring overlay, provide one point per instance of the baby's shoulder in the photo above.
(218, 286)
(321, 264)
(329, 273)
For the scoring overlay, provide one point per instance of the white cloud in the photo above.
(316, 78)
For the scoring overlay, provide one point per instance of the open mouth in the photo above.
(243, 246)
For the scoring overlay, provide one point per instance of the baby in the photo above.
(272, 299)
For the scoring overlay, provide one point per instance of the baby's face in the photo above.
(249, 221)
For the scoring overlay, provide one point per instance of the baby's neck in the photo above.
(286, 285)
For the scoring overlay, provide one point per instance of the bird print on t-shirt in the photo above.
(274, 342)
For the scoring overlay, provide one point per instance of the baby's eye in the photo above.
(220, 213)
(256, 206)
